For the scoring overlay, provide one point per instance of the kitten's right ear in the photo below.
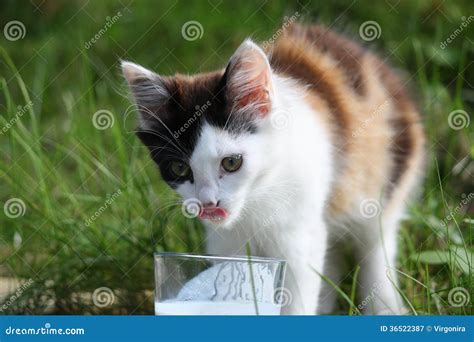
(149, 90)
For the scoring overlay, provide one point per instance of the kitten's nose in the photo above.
(209, 205)
(207, 198)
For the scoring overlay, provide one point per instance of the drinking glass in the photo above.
(188, 284)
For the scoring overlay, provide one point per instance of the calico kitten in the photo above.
(306, 150)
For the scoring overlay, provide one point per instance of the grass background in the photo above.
(64, 169)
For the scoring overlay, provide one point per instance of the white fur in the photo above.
(132, 71)
(276, 200)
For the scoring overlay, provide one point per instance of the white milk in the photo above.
(215, 308)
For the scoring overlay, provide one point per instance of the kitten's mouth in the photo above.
(216, 214)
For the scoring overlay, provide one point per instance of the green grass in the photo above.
(64, 169)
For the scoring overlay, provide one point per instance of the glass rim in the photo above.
(219, 257)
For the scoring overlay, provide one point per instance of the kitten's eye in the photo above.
(180, 169)
(233, 163)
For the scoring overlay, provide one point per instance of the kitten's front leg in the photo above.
(303, 247)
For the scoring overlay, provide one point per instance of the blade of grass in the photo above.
(252, 281)
(338, 290)
(354, 289)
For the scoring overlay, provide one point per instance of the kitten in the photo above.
(302, 151)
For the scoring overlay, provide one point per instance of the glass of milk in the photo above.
(188, 284)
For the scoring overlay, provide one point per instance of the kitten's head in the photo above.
(207, 132)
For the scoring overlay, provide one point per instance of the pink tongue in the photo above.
(209, 213)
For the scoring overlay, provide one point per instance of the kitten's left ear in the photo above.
(249, 79)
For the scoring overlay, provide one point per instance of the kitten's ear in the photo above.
(149, 90)
(249, 79)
